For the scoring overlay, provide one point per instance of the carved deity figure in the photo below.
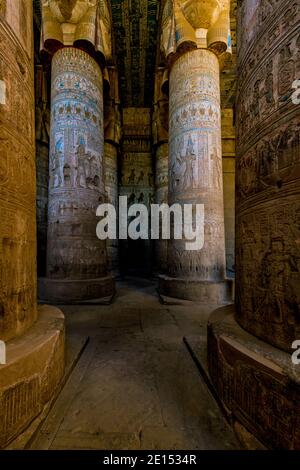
(217, 168)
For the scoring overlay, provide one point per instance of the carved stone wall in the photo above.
(268, 172)
(228, 153)
(42, 134)
(112, 195)
(137, 183)
(77, 22)
(160, 139)
(17, 171)
(76, 186)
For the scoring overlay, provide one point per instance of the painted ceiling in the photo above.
(135, 34)
(135, 37)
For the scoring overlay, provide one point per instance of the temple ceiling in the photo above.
(135, 33)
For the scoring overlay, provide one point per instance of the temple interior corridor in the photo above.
(149, 224)
(135, 385)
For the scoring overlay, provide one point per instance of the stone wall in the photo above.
(137, 183)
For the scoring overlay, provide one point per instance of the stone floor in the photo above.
(135, 385)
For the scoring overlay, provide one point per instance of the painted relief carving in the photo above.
(2, 8)
(268, 172)
(76, 167)
(17, 179)
(195, 160)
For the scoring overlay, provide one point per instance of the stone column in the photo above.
(17, 180)
(34, 337)
(76, 259)
(112, 194)
(250, 346)
(112, 137)
(161, 186)
(42, 126)
(160, 135)
(195, 175)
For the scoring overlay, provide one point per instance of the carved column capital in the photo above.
(84, 22)
(190, 24)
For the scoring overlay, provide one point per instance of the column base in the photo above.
(32, 374)
(257, 383)
(195, 290)
(61, 291)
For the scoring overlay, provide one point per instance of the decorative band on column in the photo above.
(76, 259)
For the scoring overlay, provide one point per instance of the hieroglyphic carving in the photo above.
(2, 8)
(17, 177)
(255, 382)
(137, 179)
(112, 194)
(135, 32)
(42, 135)
(195, 161)
(160, 136)
(268, 173)
(112, 136)
(76, 167)
(196, 22)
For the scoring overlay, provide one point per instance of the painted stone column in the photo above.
(34, 336)
(112, 194)
(250, 345)
(160, 136)
(42, 136)
(112, 137)
(161, 186)
(76, 259)
(17, 178)
(195, 175)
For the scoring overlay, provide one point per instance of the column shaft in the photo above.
(112, 193)
(76, 259)
(17, 174)
(34, 337)
(161, 183)
(195, 174)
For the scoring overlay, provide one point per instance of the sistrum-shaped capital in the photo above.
(71, 22)
(200, 23)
